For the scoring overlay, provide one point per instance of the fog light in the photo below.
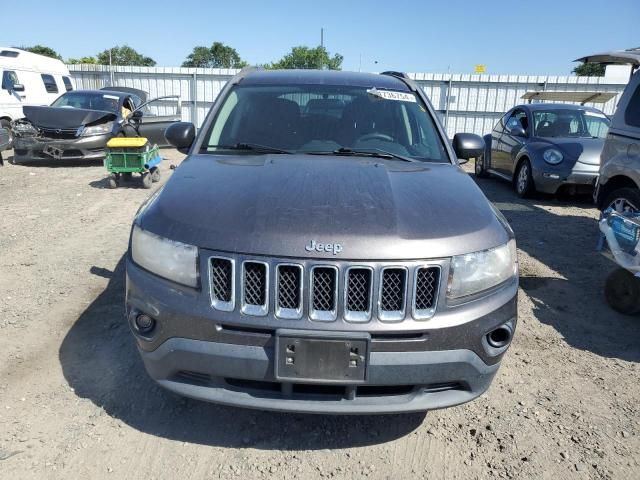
(553, 176)
(144, 323)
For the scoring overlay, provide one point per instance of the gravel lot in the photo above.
(75, 401)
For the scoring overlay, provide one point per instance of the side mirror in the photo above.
(181, 135)
(468, 145)
(137, 115)
(518, 132)
(18, 87)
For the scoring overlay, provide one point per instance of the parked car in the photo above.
(619, 182)
(331, 258)
(545, 146)
(78, 125)
(29, 79)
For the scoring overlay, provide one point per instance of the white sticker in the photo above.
(594, 114)
(112, 97)
(391, 95)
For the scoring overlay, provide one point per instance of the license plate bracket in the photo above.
(318, 357)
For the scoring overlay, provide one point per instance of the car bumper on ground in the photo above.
(581, 176)
(195, 356)
(43, 148)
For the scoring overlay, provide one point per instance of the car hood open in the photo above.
(276, 204)
(57, 117)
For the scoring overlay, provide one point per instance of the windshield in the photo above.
(88, 101)
(570, 123)
(324, 119)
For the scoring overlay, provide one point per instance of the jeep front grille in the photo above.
(293, 290)
(255, 289)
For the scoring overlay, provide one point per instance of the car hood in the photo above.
(57, 117)
(276, 204)
(583, 150)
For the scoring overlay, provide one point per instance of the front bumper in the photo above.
(42, 148)
(193, 354)
(549, 180)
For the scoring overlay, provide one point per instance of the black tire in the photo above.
(622, 291)
(4, 123)
(627, 199)
(112, 181)
(479, 168)
(146, 180)
(155, 174)
(523, 180)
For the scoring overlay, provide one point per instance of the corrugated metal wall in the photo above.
(475, 101)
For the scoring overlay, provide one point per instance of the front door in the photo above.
(157, 115)
(510, 144)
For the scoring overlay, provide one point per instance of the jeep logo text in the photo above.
(334, 248)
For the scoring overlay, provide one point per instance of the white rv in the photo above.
(29, 79)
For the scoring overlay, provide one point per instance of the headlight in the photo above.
(97, 129)
(552, 156)
(173, 260)
(475, 272)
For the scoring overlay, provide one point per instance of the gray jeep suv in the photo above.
(320, 250)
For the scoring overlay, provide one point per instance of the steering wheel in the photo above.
(376, 136)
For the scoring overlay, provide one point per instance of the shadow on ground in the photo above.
(100, 362)
(572, 300)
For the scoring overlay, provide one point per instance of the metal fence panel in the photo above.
(469, 103)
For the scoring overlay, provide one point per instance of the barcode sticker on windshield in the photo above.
(391, 95)
(112, 97)
(589, 113)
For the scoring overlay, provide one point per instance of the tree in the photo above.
(218, 55)
(85, 60)
(305, 57)
(589, 70)
(124, 55)
(42, 50)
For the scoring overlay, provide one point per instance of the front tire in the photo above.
(623, 200)
(4, 123)
(622, 291)
(146, 180)
(523, 181)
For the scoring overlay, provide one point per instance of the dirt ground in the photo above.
(75, 401)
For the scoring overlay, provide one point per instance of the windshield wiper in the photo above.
(369, 152)
(250, 147)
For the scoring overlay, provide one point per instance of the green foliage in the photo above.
(124, 55)
(308, 58)
(589, 70)
(218, 55)
(84, 60)
(42, 50)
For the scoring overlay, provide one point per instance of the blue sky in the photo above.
(526, 37)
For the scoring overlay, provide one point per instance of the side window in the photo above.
(500, 126)
(49, 83)
(632, 113)
(9, 79)
(518, 119)
(67, 84)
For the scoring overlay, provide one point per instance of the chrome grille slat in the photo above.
(358, 293)
(255, 288)
(222, 288)
(425, 291)
(324, 293)
(393, 293)
(289, 291)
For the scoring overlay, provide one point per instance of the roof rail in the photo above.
(393, 73)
